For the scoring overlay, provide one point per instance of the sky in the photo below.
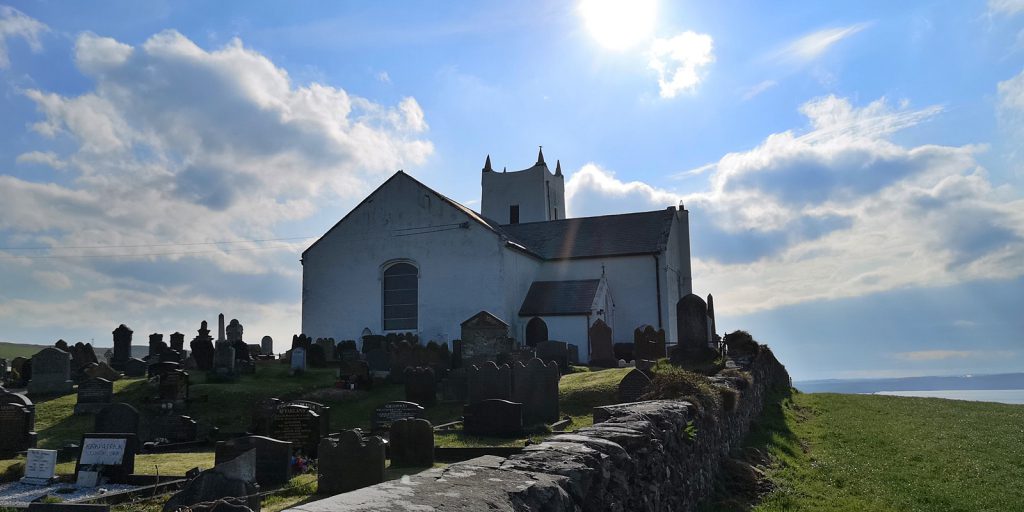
(853, 171)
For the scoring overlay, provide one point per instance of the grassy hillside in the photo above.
(880, 453)
(9, 351)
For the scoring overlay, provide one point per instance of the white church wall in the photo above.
(526, 188)
(676, 277)
(570, 329)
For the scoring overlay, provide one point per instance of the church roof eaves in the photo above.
(560, 298)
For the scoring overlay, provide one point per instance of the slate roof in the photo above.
(589, 237)
(553, 298)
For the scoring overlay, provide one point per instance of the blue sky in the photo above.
(852, 171)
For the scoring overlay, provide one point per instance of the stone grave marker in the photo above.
(411, 443)
(8, 397)
(535, 385)
(15, 424)
(349, 462)
(175, 428)
(298, 363)
(384, 415)
(316, 357)
(267, 346)
(228, 486)
(177, 342)
(453, 387)
(484, 336)
(82, 355)
(273, 457)
(21, 368)
(421, 386)
(51, 373)
(161, 368)
(378, 359)
(40, 466)
(93, 395)
(156, 346)
(103, 370)
(556, 351)
(648, 343)
(202, 348)
(122, 346)
(117, 418)
(171, 355)
(356, 374)
(322, 410)
(645, 365)
(691, 326)
(174, 387)
(373, 342)
(493, 417)
(135, 367)
(327, 346)
(601, 350)
(106, 456)
(633, 386)
(488, 380)
(263, 415)
(299, 425)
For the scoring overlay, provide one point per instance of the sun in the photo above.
(619, 24)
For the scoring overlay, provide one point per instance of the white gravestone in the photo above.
(39, 466)
(298, 359)
(97, 453)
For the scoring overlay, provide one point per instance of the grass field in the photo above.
(881, 453)
(9, 351)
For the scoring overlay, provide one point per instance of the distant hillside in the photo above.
(995, 381)
(9, 351)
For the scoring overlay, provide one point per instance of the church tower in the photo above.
(530, 195)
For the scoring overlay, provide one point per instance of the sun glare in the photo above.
(619, 24)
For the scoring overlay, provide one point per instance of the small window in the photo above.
(513, 214)
(401, 286)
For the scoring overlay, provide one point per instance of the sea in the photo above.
(1004, 396)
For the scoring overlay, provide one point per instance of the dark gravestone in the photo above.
(174, 387)
(234, 337)
(712, 328)
(263, 415)
(61, 345)
(227, 487)
(177, 342)
(299, 425)
(224, 361)
(384, 415)
(202, 348)
(633, 386)
(21, 368)
(301, 340)
(493, 417)
(316, 357)
(601, 353)
(623, 351)
(267, 346)
(159, 369)
(484, 336)
(373, 342)
(355, 375)
(122, 346)
(411, 443)
(94, 395)
(378, 359)
(111, 454)
(135, 367)
(403, 355)
(171, 355)
(273, 457)
(328, 348)
(16, 428)
(51, 373)
(103, 370)
(453, 387)
(322, 410)
(648, 343)
(488, 380)
(174, 428)
(457, 354)
(554, 351)
(535, 385)
(156, 346)
(7, 397)
(421, 386)
(115, 418)
(349, 462)
(692, 326)
(82, 355)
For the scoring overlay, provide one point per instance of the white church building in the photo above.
(407, 258)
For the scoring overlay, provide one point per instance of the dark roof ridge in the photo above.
(567, 219)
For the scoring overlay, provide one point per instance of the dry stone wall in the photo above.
(638, 456)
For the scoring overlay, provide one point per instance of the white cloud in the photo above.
(47, 158)
(838, 211)
(15, 24)
(384, 77)
(680, 62)
(815, 44)
(1008, 7)
(52, 280)
(757, 89)
(1011, 94)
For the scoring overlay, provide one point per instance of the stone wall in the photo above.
(640, 456)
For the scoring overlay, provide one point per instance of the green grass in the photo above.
(880, 453)
(9, 351)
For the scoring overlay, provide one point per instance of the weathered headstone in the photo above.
(117, 418)
(40, 466)
(234, 336)
(135, 367)
(177, 341)
(202, 348)
(102, 370)
(384, 415)
(122, 346)
(156, 346)
(692, 326)
(712, 328)
(453, 387)
(224, 361)
(93, 395)
(421, 386)
(267, 346)
(327, 346)
(273, 457)
(82, 355)
(16, 426)
(8, 397)
(299, 425)
(355, 375)
(298, 363)
(21, 369)
(263, 415)
(373, 342)
(322, 410)
(51, 373)
(62, 345)
(488, 380)
(493, 417)
(174, 387)
(231, 483)
(162, 368)
(107, 456)
(378, 359)
(648, 343)
(556, 351)
(601, 351)
(535, 385)
(633, 386)
(349, 462)
(316, 357)
(484, 336)
(173, 428)
(411, 443)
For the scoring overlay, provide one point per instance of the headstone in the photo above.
(174, 387)
(453, 387)
(103, 370)
(108, 456)
(273, 457)
(15, 423)
(177, 342)
(535, 385)
(355, 375)
(493, 417)
(299, 425)
(487, 380)
(692, 326)
(384, 415)
(82, 355)
(156, 346)
(263, 415)
(322, 410)
(316, 357)
(601, 352)
(234, 336)
(93, 395)
(162, 368)
(202, 348)
(484, 336)
(117, 418)
(623, 351)
(648, 343)
(231, 482)
(378, 359)
(349, 462)
(298, 363)
(40, 466)
(51, 373)
(8, 397)
(224, 361)
(135, 367)
(327, 346)
(173, 428)
(645, 365)
(22, 370)
(421, 386)
(373, 342)
(711, 317)
(633, 386)
(267, 346)
(62, 345)
(411, 443)
(122, 346)
(556, 351)
(170, 355)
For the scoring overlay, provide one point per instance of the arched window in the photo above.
(536, 331)
(401, 283)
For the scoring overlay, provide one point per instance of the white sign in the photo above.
(40, 463)
(108, 452)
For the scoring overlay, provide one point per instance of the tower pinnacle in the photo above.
(487, 165)
(540, 156)
(558, 167)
